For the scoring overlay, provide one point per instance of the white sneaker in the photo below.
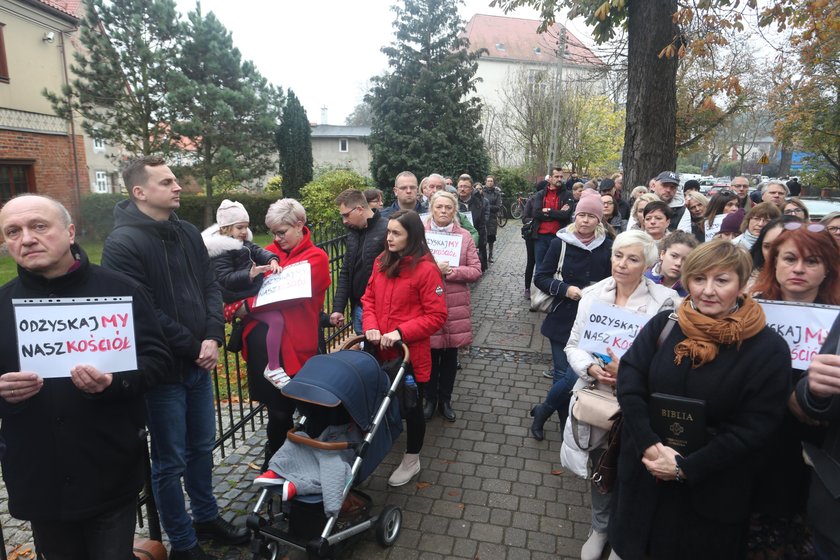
(593, 548)
(277, 377)
(408, 469)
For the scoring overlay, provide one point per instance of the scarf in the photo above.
(447, 229)
(705, 334)
(748, 240)
(585, 240)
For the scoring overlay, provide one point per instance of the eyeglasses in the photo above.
(280, 233)
(760, 219)
(609, 203)
(834, 230)
(792, 211)
(739, 186)
(813, 228)
(345, 215)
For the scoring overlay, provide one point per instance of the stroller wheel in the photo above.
(269, 551)
(388, 526)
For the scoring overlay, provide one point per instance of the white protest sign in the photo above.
(608, 326)
(468, 216)
(55, 335)
(445, 247)
(711, 230)
(804, 327)
(293, 282)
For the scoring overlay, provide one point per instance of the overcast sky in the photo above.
(325, 50)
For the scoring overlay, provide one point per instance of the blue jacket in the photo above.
(581, 267)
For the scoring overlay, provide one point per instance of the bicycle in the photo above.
(501, 216)
(517, 208)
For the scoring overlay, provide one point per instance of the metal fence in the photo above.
(236, 415)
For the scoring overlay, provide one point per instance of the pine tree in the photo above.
(227, 110)
(294, 142)
(124, 74)
(424, 117)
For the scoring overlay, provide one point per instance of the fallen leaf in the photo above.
(254, 466)
(423, 485)
(453, 493)
(556, 472)
(460, 506)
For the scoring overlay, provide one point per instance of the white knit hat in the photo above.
(230, 213)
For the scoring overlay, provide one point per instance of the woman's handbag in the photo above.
(527, 230)
(234, 343)
(596, 407)
(541, 301)
(606, 470)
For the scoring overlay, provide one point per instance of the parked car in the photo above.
(818, 208)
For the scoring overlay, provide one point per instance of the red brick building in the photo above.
(39, 152)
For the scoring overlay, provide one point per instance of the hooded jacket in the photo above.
(582, 266)
(168, 258)
(70, 455)
(457, 331)
(412, 302)
(363, 246)
(649, 297)
(232, 260)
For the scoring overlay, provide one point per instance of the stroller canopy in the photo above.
(347, 377)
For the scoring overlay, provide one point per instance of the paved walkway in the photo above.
(487, 490)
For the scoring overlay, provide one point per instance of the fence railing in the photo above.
(236, 415)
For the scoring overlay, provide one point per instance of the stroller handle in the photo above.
(353, 341)
(323, 445)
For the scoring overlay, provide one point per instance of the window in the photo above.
(102, 183)
(4, 67)
(537, 81)
(98, 145)
(15, 179)
(343, 145)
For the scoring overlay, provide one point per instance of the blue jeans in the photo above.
(565, 378)
(541, 244)
(357, 319)
(181, 422)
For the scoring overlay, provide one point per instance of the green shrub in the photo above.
(318, 196)
(97, 211)
(512, 180)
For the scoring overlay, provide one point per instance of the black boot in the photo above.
(429, 409)
(490, 254)
(541, 413)
(446, 411)
(222, 531)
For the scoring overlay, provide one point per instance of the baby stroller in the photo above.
(335, 388)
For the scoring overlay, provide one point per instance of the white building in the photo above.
(341, 146)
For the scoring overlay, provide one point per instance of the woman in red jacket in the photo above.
(286, 219)
(404, 301)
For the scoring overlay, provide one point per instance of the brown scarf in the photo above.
(705, 334)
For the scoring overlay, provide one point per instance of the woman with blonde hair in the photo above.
(637, 217)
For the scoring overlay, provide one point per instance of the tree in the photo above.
(425, 118)
(124, 74)
(360, 116)
(294, 142)
(656, 34)
(227, 110)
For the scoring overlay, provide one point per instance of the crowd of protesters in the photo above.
(700, 268)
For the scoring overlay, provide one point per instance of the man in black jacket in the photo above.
(365, 240)
(168, 257)
(477, 207)
(74, 433)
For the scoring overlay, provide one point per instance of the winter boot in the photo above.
(409, 467)
(541, 413)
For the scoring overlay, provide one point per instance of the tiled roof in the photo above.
(516, 39)
(336, 131)
(71, 8)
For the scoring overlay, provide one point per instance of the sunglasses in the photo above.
(813, 228)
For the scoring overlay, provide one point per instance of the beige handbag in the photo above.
(595, 406)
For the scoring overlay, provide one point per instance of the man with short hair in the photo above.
(365, 238)
(74, 437)
(493, 198)
(794, 187)
(438, 183)
(665, 187)
(168, 257)
(475, 205)
(406, 191)
(553, 208)
(741, 187)
(775, 192)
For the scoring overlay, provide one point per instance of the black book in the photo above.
(679, 421)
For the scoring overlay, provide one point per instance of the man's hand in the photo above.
(573, 292)
(17, 386)
(664, 466)
(824, 375)
(337, 319)
(209, 354)
(88, 379)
